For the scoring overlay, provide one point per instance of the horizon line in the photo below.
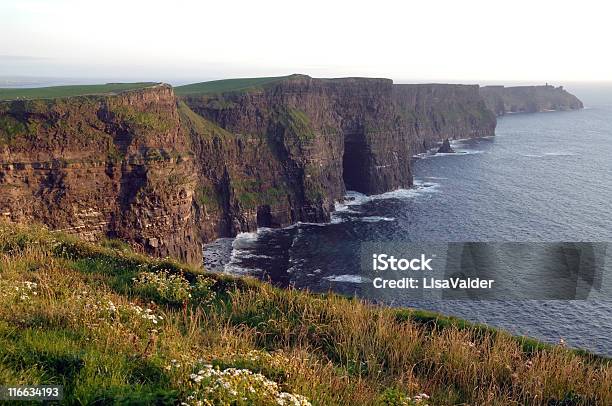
(176, 80)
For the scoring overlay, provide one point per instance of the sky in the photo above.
(182, 41)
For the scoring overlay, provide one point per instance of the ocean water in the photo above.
(543, 177)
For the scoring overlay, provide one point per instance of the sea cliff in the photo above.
(99, 166)
(286, 151)
(168, 171)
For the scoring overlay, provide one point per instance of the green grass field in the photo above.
(116, 327)
(69, 91)
(215, 86)
(226, 85)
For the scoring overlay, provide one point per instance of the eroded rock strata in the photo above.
(118, 166)
(528, 99)
(168, 173)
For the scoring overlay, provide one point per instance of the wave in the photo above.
(347, 278)
(244, 254)
(234, 269)
(458, 152)
(353, 198)
(559, 154)
(342, 207)
(337, 219)
(545, 154)
(375, 219)
(305, 223)
(241, 249)
(245, 238)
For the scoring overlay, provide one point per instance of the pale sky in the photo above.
(461, 41)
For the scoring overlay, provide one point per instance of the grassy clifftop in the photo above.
(226, 85)
(69, 91)
(113, 326)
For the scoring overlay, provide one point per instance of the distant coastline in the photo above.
(529, 99)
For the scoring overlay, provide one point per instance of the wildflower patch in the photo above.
(174, 289)
(212, 386)
(13, 291)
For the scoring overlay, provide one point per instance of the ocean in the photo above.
(544, 177)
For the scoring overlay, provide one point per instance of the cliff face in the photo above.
(440, 111)
(284, 153)
(117, 166)
(528, 99)
(312, 128)
(168, 173)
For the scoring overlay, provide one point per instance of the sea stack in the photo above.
(446, 148)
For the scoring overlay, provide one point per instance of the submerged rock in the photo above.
(446, 148)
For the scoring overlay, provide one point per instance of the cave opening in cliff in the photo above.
(354, 162)
(264, 216)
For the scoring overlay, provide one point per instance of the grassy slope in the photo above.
(226, 85)
(199, 124)
(69, 91)
(79, 326)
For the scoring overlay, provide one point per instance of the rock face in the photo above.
(286, 152)
(118, 166)
(442, 111)
(168, 173)
(528, 99)
(446, 148)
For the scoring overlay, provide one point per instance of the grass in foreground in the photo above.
(116, 327)
(68, 91)
(226, 85)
